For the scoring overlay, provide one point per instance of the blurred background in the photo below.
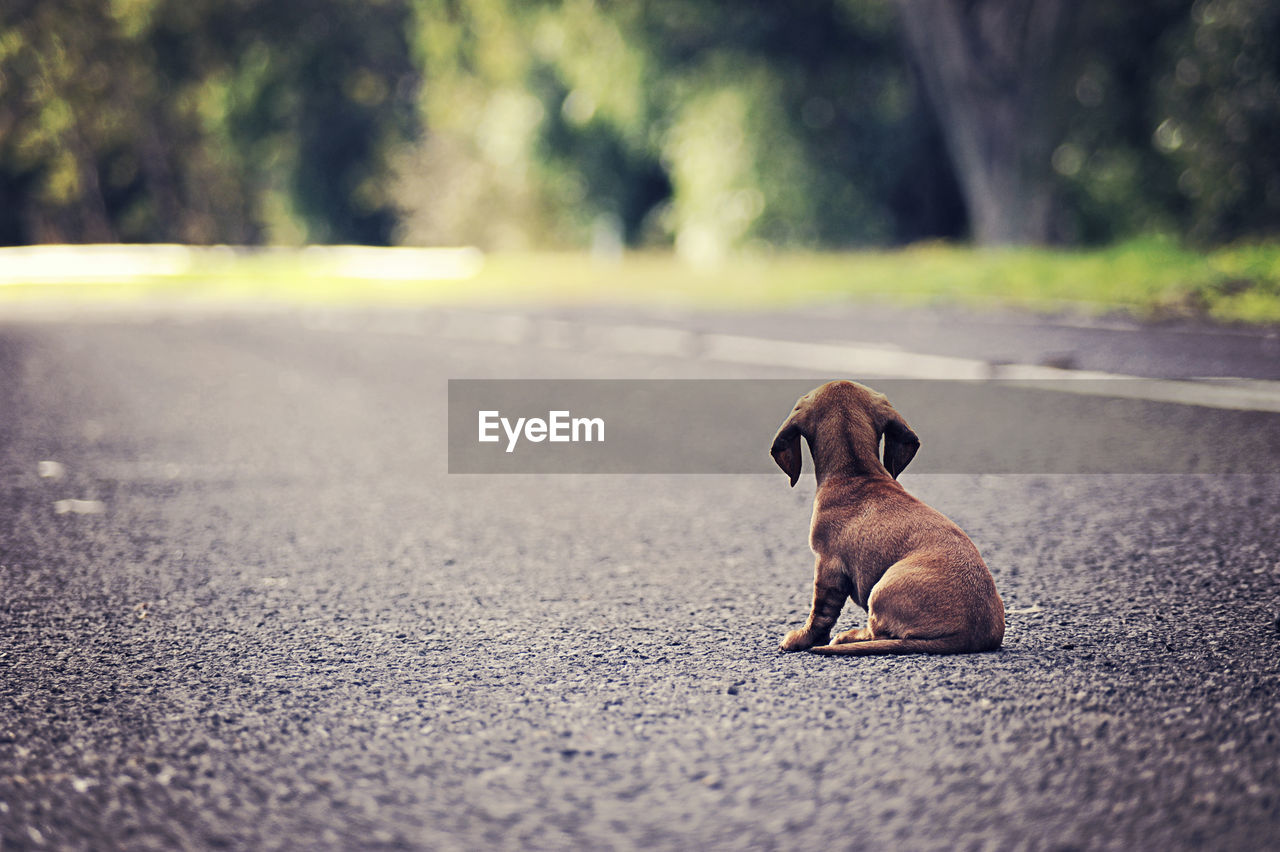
(707, 128)
(247, 247)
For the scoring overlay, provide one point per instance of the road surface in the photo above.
(243, 605)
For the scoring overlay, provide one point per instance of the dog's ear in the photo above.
(786, 449)
(900, 444)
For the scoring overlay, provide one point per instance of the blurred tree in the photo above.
(704, 124)
(329, 89)
(1113, 182)
(990, 68)
(1217, 123)
(709, 124)
(61, 108)
(475, 177)
(714, 124)
(835, 144)
(1175, 122)
(200, 120)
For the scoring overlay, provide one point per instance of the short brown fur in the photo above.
(921, 580)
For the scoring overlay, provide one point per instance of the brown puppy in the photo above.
(918, 576)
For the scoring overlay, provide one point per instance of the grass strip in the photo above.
(1148, 279)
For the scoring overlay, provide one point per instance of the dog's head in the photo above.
(843, 423)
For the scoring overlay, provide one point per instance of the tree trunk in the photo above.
(989, 67)
(93, 222)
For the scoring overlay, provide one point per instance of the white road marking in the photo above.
(846, 358)
(868, 360)
(79, 507)
(49, 469)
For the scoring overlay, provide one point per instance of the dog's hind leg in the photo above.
(860, 634)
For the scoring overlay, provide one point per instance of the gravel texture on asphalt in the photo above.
(288, 628)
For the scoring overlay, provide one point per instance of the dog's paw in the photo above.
(861, 634)
(796, 640)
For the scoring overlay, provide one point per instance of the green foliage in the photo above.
(1175, 120)
(1150, 278)
(710, 126)
(707, 125)
(1221, 130)
(200, 120)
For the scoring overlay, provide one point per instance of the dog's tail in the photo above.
(874, 647)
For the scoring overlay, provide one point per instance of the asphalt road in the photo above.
(271, 619)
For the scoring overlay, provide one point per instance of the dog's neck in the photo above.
(839, 453)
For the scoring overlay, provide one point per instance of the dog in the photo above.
(919, 577)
